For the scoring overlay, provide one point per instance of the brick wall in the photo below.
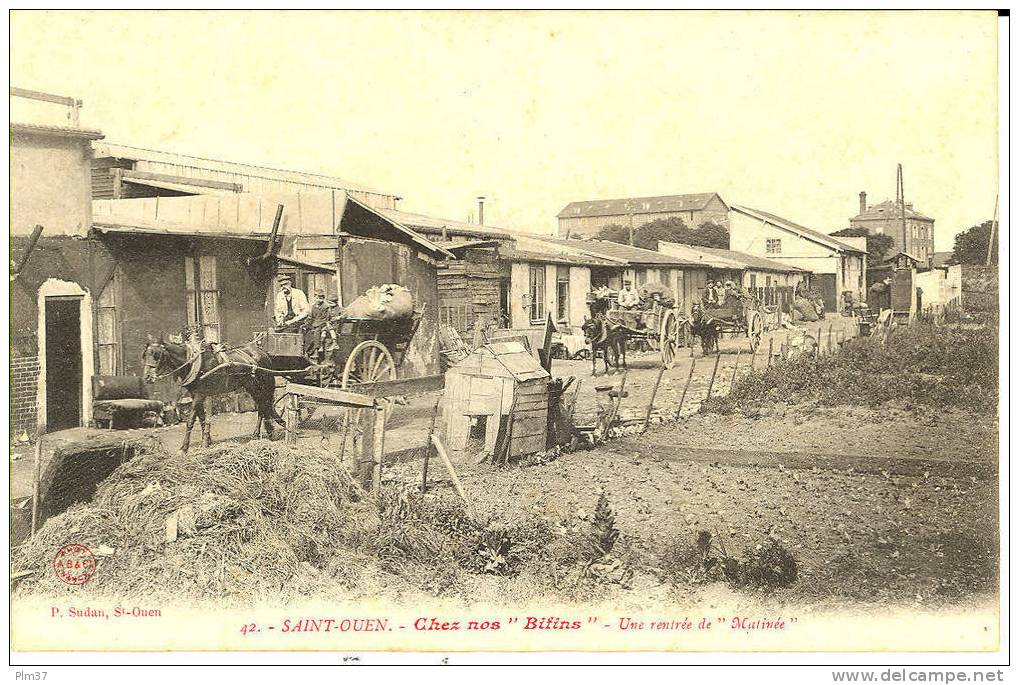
(24, 383)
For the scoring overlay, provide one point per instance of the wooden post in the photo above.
(364, 465)
(686, 386)
(441, 451)
(735, 367)
(36, 475)
(771, 349)
(651, 404)
(711, 383)
(787, 346)
(819, 353)
(753, 360)
(378, 443)
(830, 350)
(292, 418)
(428, 446)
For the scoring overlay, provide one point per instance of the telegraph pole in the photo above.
(994, 226)
(900, 191)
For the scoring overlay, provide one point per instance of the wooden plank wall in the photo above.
(469, 290)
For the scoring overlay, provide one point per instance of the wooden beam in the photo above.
(341, 397)
(131, 174)
(402, 386)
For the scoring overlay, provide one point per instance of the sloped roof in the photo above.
(626, 254)
(725, 259)
(802, 231)
(106, 149)
(533, 248)
(894, 256)
(430, 224)
(639, 205)
(942, 258)
(520, 364)
(889, 209)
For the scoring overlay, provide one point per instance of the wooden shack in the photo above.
(498, 385)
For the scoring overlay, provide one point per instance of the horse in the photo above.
(603, 336)
(707, 331)
(166, 358)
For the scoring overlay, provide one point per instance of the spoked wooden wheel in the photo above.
(755, 329)
(369, 362)
(668, 339)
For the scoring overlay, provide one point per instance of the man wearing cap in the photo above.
(290, 308)
(317, 321)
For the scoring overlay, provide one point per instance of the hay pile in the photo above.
(248, 519)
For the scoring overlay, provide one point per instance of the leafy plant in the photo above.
(603, 533)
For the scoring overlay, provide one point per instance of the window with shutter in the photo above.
(108, 334)
(202, 289)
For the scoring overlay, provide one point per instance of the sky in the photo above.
(789, 112)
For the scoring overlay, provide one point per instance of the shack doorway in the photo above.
(63, 371)
(825, 284)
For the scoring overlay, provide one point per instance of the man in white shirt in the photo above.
(628, 297)
(290, 308)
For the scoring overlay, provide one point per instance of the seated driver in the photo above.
(290, 308)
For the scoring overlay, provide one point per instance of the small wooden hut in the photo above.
(498, 385)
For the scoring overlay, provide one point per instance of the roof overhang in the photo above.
(361, 220)
(103, 228)
(306, 266)
(57, 131)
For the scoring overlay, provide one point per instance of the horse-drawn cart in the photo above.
(736, 318)
(351, 351)
(662, 329)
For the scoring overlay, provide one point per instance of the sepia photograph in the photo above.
(507, 333)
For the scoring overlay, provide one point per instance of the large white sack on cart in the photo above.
(382, 303)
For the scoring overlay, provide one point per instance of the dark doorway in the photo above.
(825, 285)
(504, 303)
(63, 363)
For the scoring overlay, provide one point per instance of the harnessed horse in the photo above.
(603, 336)
(207, 374)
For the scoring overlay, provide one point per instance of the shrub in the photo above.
(920, 364)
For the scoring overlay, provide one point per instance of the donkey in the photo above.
(604, 337)
(165, 358)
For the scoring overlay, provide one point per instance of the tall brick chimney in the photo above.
(863, 202)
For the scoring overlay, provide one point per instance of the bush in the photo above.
(921, 364)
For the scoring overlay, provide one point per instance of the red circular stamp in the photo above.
(74, 564)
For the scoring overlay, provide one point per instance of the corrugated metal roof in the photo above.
(792, 227)
(638, 205)
(106, 149)
(889, 209)
(620, 253)
(725, 259)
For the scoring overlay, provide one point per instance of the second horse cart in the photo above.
(662, 329)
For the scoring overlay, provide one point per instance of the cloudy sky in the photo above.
(790, 112)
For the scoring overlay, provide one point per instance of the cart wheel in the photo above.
(369, 362)
(668, 339)
(755, 329)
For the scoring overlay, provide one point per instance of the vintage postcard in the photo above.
(506, 331)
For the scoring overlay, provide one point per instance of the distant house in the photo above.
(942, 259)
(507, 277)
(836, 264)
(124, 172)
(886, 218)
(773, 282)
(685, 277)
(587, 217)
(901, 260)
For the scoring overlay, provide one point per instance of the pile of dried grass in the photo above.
(248, 518)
